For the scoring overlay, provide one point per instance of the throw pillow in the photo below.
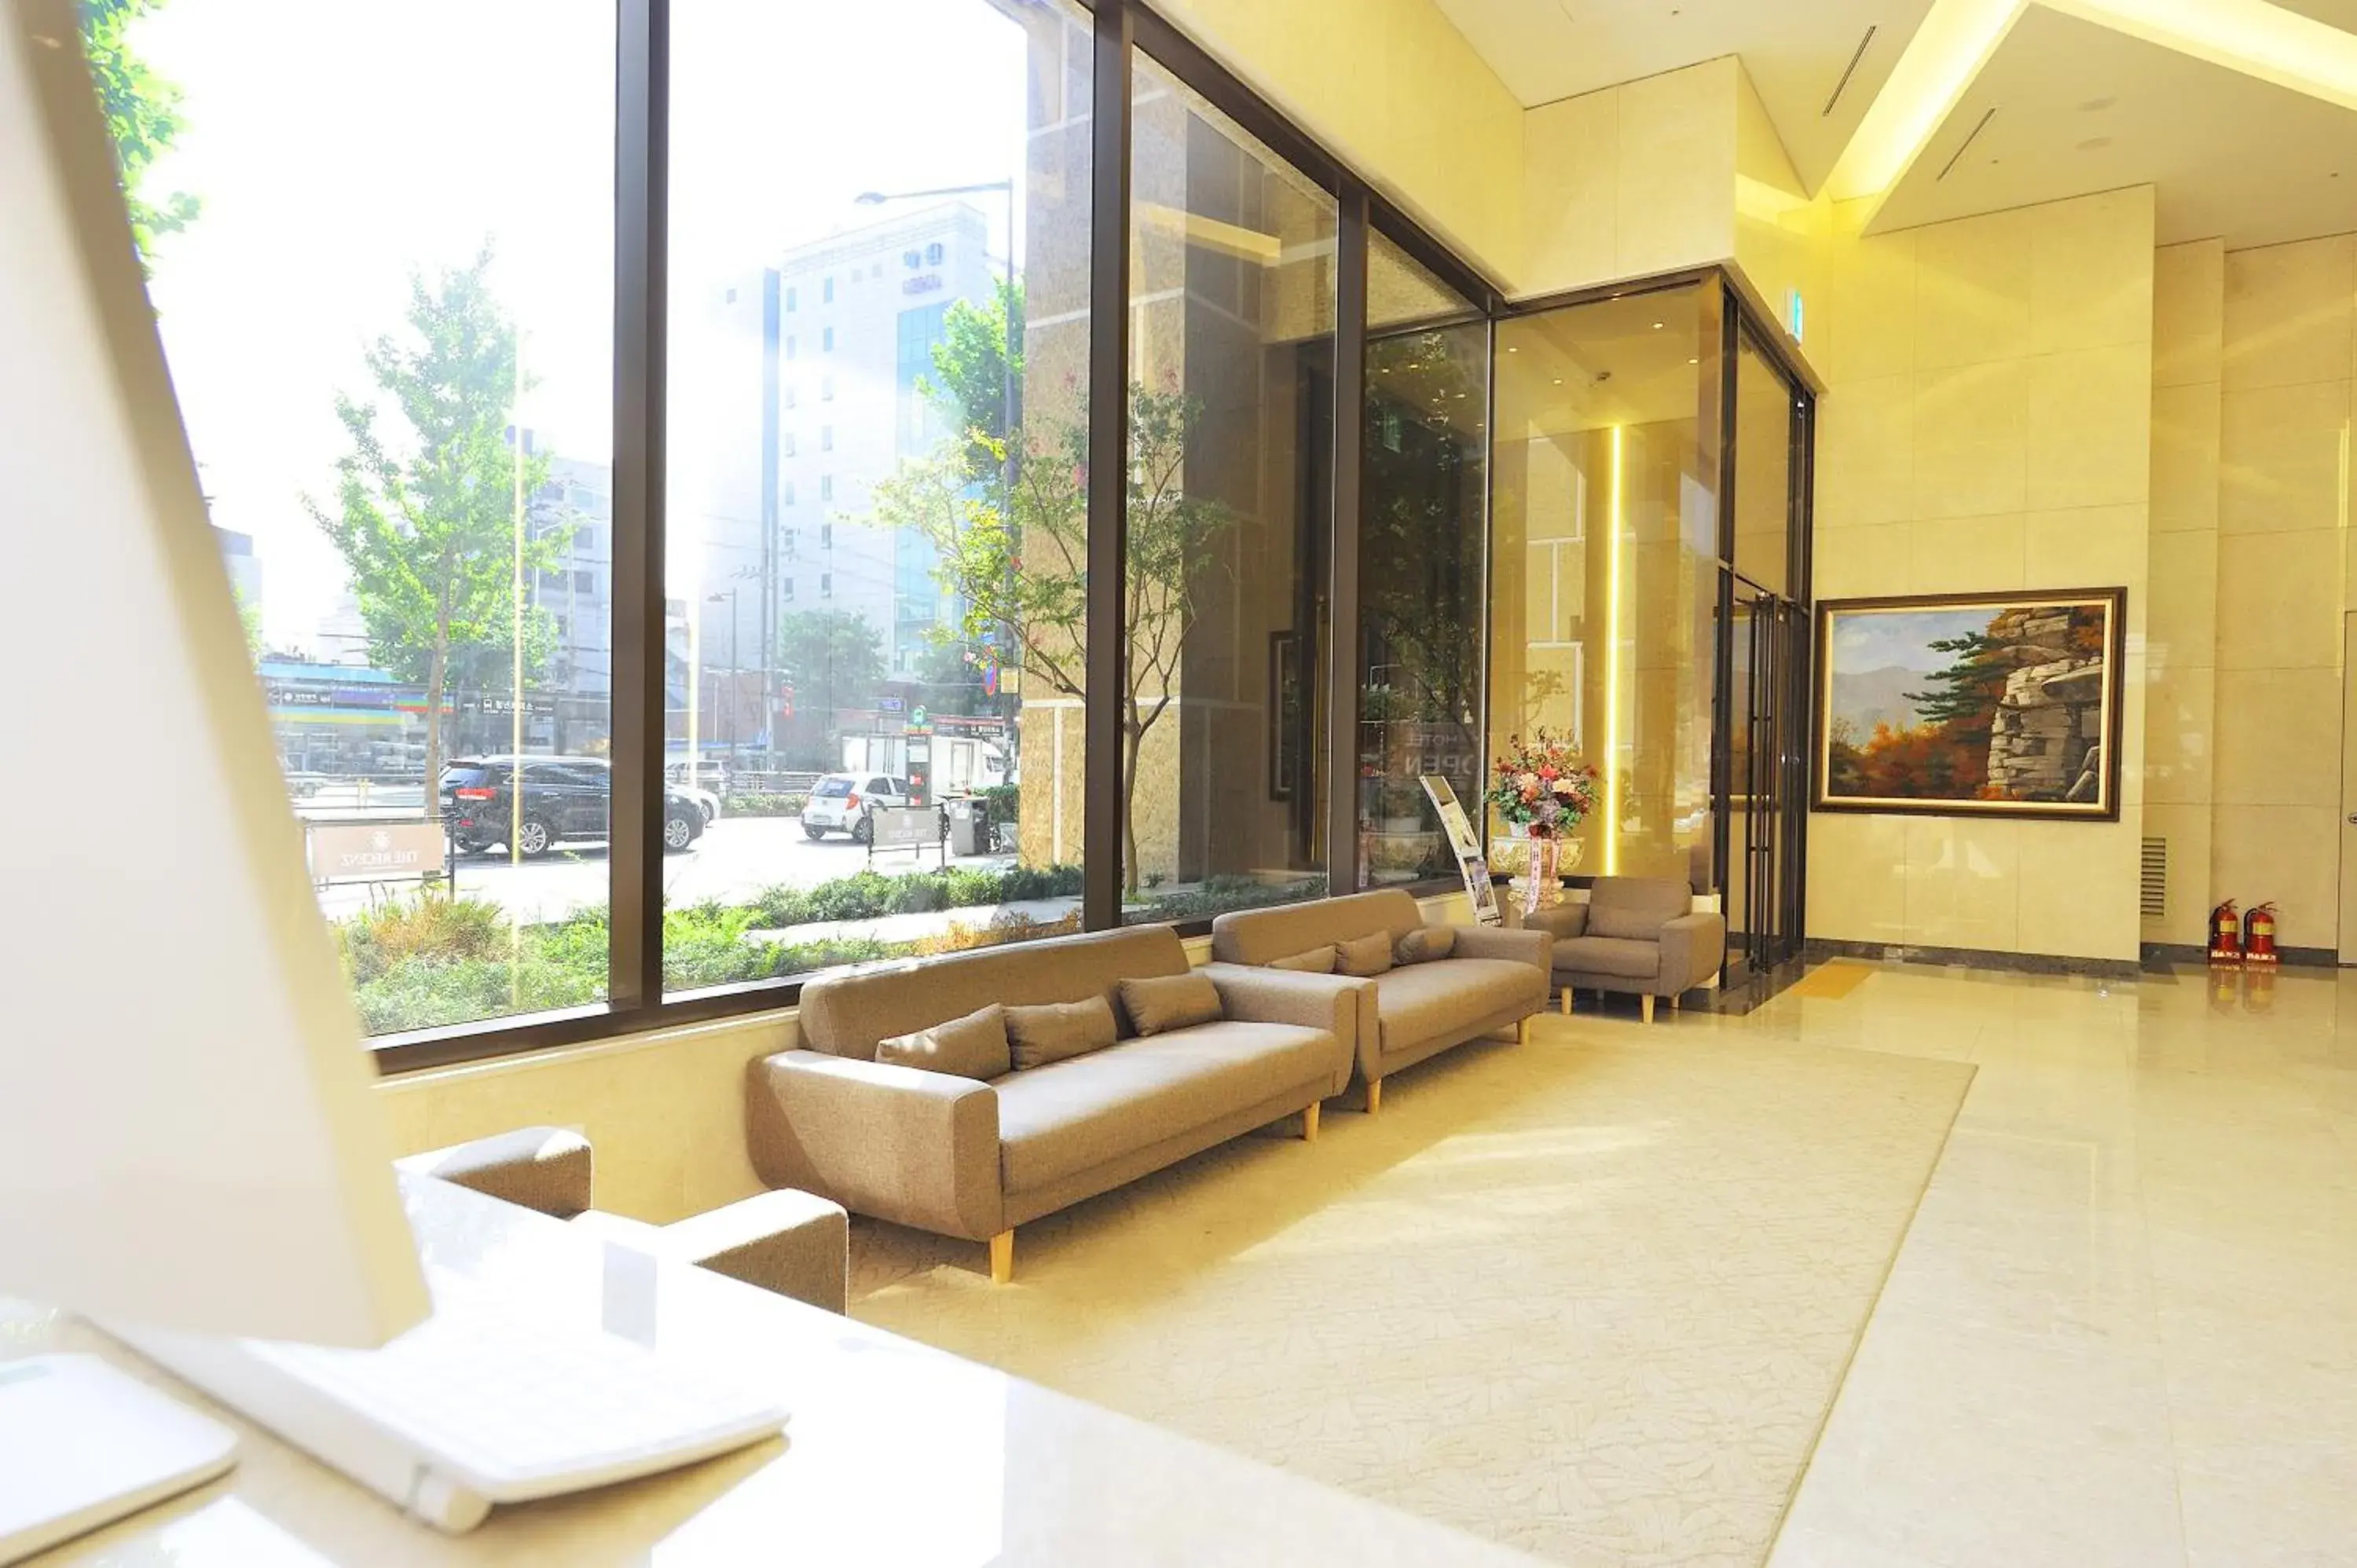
(1370, 955)
(1316, 960)
(972, 1046)
(1169, 1001)
(1424, 944)
(1056, 1031)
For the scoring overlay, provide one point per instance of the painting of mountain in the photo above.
(1865, 698)
(1987, 704)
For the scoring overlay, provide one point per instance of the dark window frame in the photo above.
(637, 1001)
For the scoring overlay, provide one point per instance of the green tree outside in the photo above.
(425, 519)
(830, 660)
(1011, 543)
(142, 116)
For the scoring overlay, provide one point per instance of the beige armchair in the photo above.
(789, 1243)
(1635, 934)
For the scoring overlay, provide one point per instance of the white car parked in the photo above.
(839, 802)
(706, 800)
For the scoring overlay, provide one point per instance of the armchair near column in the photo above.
(1639, 935)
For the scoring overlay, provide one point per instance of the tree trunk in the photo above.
(1133, 738)
(437, 672)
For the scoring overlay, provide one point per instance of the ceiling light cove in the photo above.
(2249, 35)
(1958, 38)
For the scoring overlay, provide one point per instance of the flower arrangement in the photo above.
(1541, 785)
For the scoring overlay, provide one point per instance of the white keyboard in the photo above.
(469, 1409)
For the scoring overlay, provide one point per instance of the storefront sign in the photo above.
(907, 828)
(373, 852)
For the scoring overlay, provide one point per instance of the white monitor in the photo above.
(187, 1136)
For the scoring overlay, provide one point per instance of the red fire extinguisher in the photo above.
(2259, 934)
(2225, 934)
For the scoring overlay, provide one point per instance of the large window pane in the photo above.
(1603, 587)
(1230, 452)
(876, 517)
(382, 263)
(1420, 553)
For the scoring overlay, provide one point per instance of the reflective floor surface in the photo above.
(2123, 1327)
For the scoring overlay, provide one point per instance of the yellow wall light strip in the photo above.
(1956, 38)
(1613, 705)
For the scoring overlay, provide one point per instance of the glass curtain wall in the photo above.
(392, 349)
(1604, 582)
(877, 524)
(1230, 513)
(1421, 546)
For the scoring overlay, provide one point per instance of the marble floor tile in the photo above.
(1777, 1287)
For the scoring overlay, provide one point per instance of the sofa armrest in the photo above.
(915, 1147)
(545, 1168)
(1525, 946)
(1564, 919)
(1692, 948)
(1341, 1004)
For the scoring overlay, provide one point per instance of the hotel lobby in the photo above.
(1422, 781)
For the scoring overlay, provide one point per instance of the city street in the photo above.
(734, 860)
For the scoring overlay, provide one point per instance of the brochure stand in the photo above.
(1472, 860)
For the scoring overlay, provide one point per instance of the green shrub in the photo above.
(426, 926)
(424, 993)
(869, 895)
(764, 805)
(1039, 882)
(1218, 895)
(1005, 803)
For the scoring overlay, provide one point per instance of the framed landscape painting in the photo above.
(1974, 704)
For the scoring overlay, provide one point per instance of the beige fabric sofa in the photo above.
(962, 1157)
(1493, 980)
(1635, 934)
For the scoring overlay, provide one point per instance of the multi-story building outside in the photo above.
(244, 568)
(819, 398)
(577, 596)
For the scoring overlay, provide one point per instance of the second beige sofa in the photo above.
(961, 1157)
(1492, 980)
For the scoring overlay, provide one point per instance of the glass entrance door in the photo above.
(1766, 783)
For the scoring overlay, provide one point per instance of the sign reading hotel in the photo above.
(373, 852)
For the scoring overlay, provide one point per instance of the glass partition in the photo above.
(1604, 582)
(1421, 544)
(876, 521)
(392, 349)
(1231, 506)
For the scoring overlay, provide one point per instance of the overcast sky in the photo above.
(336, 146)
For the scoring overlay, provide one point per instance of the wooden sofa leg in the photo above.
(1566, 1001)
(1675, 999)
(1522, 1033)
(1374, 1095)
(1645, 1005)
(1309, 1123)
(1002, 1257)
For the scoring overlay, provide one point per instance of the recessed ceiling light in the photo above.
(1693, 359)
(1657, 327)
(1558, 380)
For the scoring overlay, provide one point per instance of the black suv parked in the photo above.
(565, 799)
